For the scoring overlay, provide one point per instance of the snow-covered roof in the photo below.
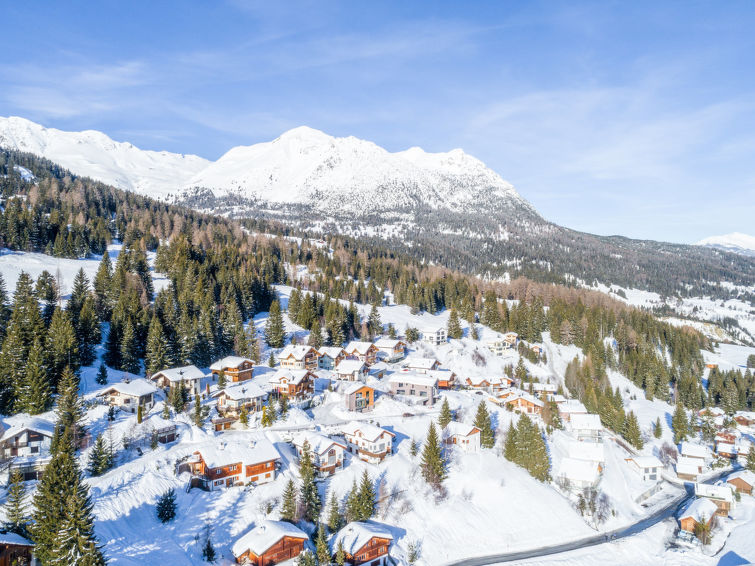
(546, 387)
(134, 388)
(355, 535)
(331, 351)
(722, 491)
(243, 390)
(455, 428)
(440, 374)
(413, 378)
(265, 535)
(180, 374)
(699, 509)
(591, 451)
(294, 376)
(586, 421)
(21, 422)
(572, 407)
(319, 443)
(298, 352)
(745, 475)
(526, 397)
(415, 362)
(361, 347)
(369, 431)
(233, 362)
(712, 411)
(579, 470)
(388, 343)
(726, 448)
(694, 450)
(645, 462)
(354, 387)
(688, 468)
(13, 538)
(349, 366)
(254, 451)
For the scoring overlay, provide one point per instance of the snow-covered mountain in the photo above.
(93, 154)
(735, 242)
(342, 176)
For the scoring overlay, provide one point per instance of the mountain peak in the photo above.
(736, 242)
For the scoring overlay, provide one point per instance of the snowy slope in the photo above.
(93, 154)
(736, 242)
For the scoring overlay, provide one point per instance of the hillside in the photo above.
(446, 209)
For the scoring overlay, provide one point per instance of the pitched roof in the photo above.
(646, 461)
(455, 428)
(331, 351)
(578, 470)
(355, 535)
(745, 475)
(572, 406)
(415, 362)
(13, 538)
(526, 397)
(354, 387)
(388, 342)
(699, 509)
(694, 450)
(361, 347)
(265, 535)
(591, 451)
(414, 378)
(349, 366)
(319, 443)
(21, 422)
(257, 450)
(233, 362)
(180, 374)
(369, 431)
(294, 376)
(722, 491)
(243, 390)
(298, 352)
(133, 388)
(586, 421)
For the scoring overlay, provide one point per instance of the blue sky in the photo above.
(633, 118)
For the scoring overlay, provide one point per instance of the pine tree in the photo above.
(157, 357)
(271, 360)
(482, 421)
(454, 325)
(321, 547)
(36, 396)
(268, 416)
(102, 293)
(208, 552)
(74, 543)
(445, 416)
(335, 520)
(433, 464)
(309, 496)
(366, 498)
(340, 554)
(244, 416)
(275, 334)
(198, 413)
(166, 506)
(315, 334)
(306, 558)
(222, 382)
(16, 514)
(139, 414)
(88, 332)
(129, 350)
(352, 503)
(100, 457)
(62, 346)
(374, 324)
(520, 372)
(510, 445)
(288, 507)
(69, 409)
(679, 423)
(657, 430)
(631, 432)
(283, 405)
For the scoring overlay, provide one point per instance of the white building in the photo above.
(128, 395)
(571, 407)
(648, 467)
(579, 474)
(696, 451)
(351, 370)
(585, 427)
(190, 376)
(589, 451)
(392, 350)
(327, 453)
(466, 437)
(367, 541)
(26, 436)
(370, 442)
(433, 335)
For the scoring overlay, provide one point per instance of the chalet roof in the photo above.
(180, 374)
(725, 448)
(699, 509)
(572, 407)
(21, 422)
(586, 421)
(232, 362)
(455, 428)
(525, 396)
(646, 462)
(694, 450)
(413, 378)
(355, 535)
(591, 451)
(254, 451)
(722, 492)
(331, 351)
(264, 536)
(134, 388)
(442, 374)
(296, 351)
(369, 431)
(712, 411)
(388, 343)
(294, 376)
(360, 347)
(13, 538)
(687, 465)
(319, 443)
(243, 390)
(547, 387)
(349, 366)
(354, 387)
(745, 475)
(415, 362)
(578, 470)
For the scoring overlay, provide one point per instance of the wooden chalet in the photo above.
(235, 368)
(190, 376)
(329, 356)
(16, 550)
(363, 351)
(294, 383)
(129, 395)
(743, 481)
(421, 365)
(466, 437)
(390, 349)
(26, 436)
(245, 395)
(368, 441)
(270, 542)
(363, 542)
(524, 403)
(216, 465)
(296, 356)
(327, 454)
(351, 370)
(699, 511)
(721, 495)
